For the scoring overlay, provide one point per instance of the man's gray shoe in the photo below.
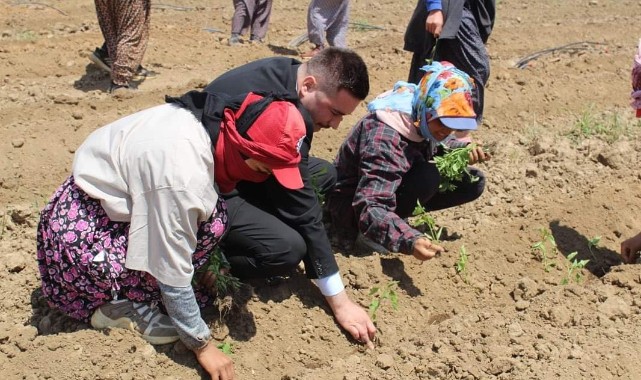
(155, 327)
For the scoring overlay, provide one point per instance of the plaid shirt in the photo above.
(371, 164)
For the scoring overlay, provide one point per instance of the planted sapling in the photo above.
(574, 269)
(592, 243)
(423, 218)
(461, 264)
(541, 247)
(378, 294)
(226, 347)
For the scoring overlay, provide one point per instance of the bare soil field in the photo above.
(566, 162)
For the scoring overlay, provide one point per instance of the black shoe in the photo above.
(101, 58)
(275, 280)
(113, 88)
(143, 73)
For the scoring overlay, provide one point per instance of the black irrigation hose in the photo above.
(575, 46)
(171, 6)
(297, 41)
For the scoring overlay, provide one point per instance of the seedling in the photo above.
(461, 263)
(592, 243)
(378, 294)
(541, 247)
(224, 282)
(606, 126)
(423, 218)
(452, 165)
(226, 347)
(574, 269)
(314, 180)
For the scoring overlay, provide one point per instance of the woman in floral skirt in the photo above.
(140, 213)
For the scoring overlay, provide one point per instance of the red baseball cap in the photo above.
(281, 127)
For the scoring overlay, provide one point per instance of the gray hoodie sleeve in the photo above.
(184, 312)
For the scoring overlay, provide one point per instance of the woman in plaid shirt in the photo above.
(385, 164)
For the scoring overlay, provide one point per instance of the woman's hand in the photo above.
(434, 23)
(630, 249)
(425, 250)
(479, 155)
(218, 365)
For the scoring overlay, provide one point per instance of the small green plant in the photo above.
(314, 179)
(574, 269)
(452, 166)
(378, 294)
(226, 347)
(26, 35)
(424, 219)
(592, 243)
(461, 263)
(541, 249)
(224, 281)
(607, 126)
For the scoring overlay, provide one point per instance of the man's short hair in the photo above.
(339, 68)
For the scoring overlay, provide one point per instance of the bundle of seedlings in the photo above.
(453, 165)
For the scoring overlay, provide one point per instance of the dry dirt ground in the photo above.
(566, 162)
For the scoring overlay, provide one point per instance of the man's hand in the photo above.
(630, 249)
(434, 23)
(425, 250)
(352, 318)
(218, 365)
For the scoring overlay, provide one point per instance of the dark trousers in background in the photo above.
(467, 52)
(258, 243)
(125, 27)
(252, 16)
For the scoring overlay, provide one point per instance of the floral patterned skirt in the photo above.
(81, 254)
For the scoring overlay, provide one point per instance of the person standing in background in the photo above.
(125, 28)
(327, 23)
(455, 31)
(250, 15)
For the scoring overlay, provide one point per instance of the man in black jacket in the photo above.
(272, 228)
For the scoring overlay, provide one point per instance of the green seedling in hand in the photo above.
(224, 281)
(423, 218)
(226, 348)
(452, 166)
(461, 263)
(378, 294)
(574, 269)
(541, 247)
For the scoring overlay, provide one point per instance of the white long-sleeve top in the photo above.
(154, 169)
